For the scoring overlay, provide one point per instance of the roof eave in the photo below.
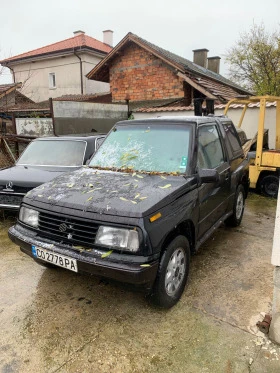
(54, 54)
(11, 89)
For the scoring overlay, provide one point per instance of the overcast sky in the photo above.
(177, 25)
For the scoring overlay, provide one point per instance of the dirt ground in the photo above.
(53, 320)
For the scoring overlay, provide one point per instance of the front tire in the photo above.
(172, 273)
(238, 208)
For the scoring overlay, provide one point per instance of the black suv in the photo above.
(152, 194)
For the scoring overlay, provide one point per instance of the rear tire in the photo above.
(172, 273)
(238, 208)
(269, 185)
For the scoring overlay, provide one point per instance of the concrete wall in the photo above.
(35, 77)
(250, 121)
(86, 117)
(34, 126)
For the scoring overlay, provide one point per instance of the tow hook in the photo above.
(265, 324)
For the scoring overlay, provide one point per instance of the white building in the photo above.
(60, 68)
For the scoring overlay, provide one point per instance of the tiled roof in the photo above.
(21, 98)
(251, 105)
(217, 88)
(78, 41)
(7, 88)
(84, 98)
(189, 65)
(135, 105)
(208, 79)
(191, 108)
(30, 107)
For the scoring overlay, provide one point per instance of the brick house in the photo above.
(60, 68)
(150, 76)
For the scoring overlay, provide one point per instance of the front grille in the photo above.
(67, 230)
(10, 199)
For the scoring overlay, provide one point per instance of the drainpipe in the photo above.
(81, 71)
(14, 78)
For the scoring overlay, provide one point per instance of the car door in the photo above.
(213, 197)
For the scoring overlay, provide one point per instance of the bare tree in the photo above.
(255, 61)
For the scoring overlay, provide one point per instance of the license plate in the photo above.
(54, 258)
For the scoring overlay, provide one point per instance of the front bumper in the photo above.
(91, 263)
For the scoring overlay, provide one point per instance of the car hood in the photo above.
(112, 193)
(30, 176)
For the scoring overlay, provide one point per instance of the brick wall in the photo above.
(137, 75)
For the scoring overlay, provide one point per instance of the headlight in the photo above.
(120, 238)
(29, 216)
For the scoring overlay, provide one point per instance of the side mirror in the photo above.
(208, 175)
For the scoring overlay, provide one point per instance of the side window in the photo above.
(232, 137)
(99, 141)
(210, 151)
(52, 83)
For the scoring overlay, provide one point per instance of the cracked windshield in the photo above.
(149, 148)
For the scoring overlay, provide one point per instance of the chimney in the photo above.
(79, 32)
(214, 64)
(200, 57)
(108, 37)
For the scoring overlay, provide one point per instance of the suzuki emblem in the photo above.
(62, 227)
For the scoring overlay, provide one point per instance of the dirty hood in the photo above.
(30, 176)
(112, 193)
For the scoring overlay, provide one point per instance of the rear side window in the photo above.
(233, 138)
(99, 141)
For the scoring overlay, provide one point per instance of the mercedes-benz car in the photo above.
(42, 160)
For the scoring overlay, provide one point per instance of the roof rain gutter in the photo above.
(81, 72)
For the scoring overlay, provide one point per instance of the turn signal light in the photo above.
(155, 217)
